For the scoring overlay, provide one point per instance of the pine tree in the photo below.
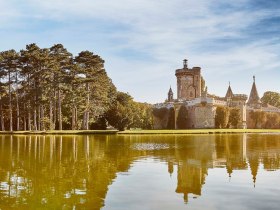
(61, 64)
(8, 66)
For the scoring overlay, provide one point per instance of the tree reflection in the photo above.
(61, 172)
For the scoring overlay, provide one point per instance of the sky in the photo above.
(143, 42)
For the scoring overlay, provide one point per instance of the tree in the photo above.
(120, 114)
(272, 120)
(98, 87)
(272, 98)
(141, 117)
(258, 118)
(171, 119)
(160, 112)
(124, 113)
(35, 70)
(8, 66)
(61, 61)
(46, 88)
(2, 95)
(234, 117)
(221, 117)
(182, 118)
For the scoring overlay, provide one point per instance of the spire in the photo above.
(254, 98)
(170, 90)
(170, 94)
(185, 63)
(229, 93)
(254, 166)
(170, 168)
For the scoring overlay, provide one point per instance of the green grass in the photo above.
(140, 132)
(200, 131)
(62, 132)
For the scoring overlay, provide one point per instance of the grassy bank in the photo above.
(140, 132)
(62, 132)
(200, 131)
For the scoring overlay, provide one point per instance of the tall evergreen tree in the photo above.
(97, 86)
(61, 64)
(45, 88)
(8, 66)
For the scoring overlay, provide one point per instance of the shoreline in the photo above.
(59, 132)
(141, 132)
(199, 131)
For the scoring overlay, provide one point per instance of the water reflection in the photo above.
(66, 172)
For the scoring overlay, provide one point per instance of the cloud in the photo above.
(144, 41)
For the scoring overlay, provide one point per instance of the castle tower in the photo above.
(254, 166)
(229, 93)
(170, 95)
(254, 99)
(188, 82)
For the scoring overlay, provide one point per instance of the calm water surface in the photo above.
(140, 172)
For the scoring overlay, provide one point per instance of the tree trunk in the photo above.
(35, 119)
(10, 104)
(28, 106)
(86, 113)
(73, 118)
(73, 109)
(59, 110)
(29, 118)
(87, 125)
(51, 115)
(39, 117)
(42, 118)
(2, 117)
(24, 117)
(76, 118)
(54, 110)
(84, 120)
(17, 105)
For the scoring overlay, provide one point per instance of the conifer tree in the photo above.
(8, 67)
(45, 88)
(61, 63)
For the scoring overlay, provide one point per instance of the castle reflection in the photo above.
(66, 172)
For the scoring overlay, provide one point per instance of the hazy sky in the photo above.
(143, 42)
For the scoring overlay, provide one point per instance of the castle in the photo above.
(200, 106)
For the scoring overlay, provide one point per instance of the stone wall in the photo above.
(160, 123)
(188, 83)
(199, 116)
(204, 116)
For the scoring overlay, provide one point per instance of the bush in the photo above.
(234, 117)
(160, 113)
(171, 119)
(182, 118)
(221, 117)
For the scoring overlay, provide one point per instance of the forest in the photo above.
(51, 89)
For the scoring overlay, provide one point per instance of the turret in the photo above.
(254, 99)
(188, 82)
(229, 93)
(170, 95)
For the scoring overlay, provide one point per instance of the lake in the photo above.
(224, 171)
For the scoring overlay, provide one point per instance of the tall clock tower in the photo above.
(188, 82)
